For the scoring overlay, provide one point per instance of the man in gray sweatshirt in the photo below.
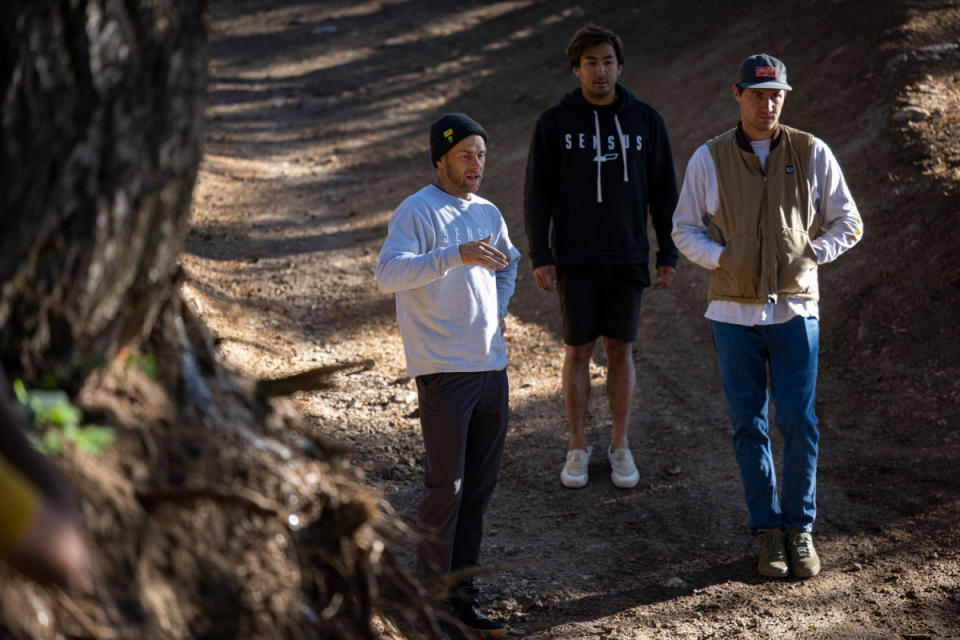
(449, 260)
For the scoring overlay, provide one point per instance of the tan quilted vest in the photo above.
(766, 220)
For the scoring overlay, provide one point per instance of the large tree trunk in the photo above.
(102, 120)
(101, 129)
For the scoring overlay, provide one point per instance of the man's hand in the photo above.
(546, 277)
(52, 550)
(664, 277)
(479, 253)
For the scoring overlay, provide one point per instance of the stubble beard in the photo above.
(461, 183)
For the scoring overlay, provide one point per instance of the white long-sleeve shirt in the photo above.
(449, 313)
(699, 200)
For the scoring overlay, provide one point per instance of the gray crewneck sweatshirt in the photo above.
(449, 313)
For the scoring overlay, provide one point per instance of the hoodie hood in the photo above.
(575, 100)
(625, 100)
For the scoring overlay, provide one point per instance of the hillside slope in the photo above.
(318, 129)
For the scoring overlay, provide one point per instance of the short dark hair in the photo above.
(590, 35)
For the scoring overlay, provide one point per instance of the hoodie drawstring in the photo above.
(599, 155)
(623, 147)
(599, 158)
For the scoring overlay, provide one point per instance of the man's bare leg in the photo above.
(576, 391)
(621, 379)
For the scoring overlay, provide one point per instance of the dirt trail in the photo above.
(317, 129)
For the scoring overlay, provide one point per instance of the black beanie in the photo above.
(450, 129)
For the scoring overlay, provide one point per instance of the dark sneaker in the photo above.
(473, 618)
(804, 561)
(772, 556)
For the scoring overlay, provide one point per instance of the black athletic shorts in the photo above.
(601, 301)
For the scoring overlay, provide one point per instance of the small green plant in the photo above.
(146, 362)
(55, 421)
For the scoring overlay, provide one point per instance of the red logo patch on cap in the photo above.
(766, 72)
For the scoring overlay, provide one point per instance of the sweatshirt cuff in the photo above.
(819, 250)
(665, 259)
(452, 257)
(541, 258)
(714, 256)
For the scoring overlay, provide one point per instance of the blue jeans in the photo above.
(790, 350)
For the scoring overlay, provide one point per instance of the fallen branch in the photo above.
(313, 380)
(241, 496)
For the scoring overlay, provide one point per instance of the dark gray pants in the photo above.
(463, 417)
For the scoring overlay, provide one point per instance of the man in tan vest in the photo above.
(762, 206)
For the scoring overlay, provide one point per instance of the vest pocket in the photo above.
(797, 272)
(738, 273)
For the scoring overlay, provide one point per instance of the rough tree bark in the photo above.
(101, 131)
(102, 112)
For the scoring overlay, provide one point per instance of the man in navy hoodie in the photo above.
(598, 161)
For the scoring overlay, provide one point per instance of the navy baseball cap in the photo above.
(762, 71)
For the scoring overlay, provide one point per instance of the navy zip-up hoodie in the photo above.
(596, 197)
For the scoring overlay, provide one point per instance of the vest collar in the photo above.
(743, 140)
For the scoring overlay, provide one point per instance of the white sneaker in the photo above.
(623, 471)
(574, 474)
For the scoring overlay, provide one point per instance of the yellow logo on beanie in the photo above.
(448, 134)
